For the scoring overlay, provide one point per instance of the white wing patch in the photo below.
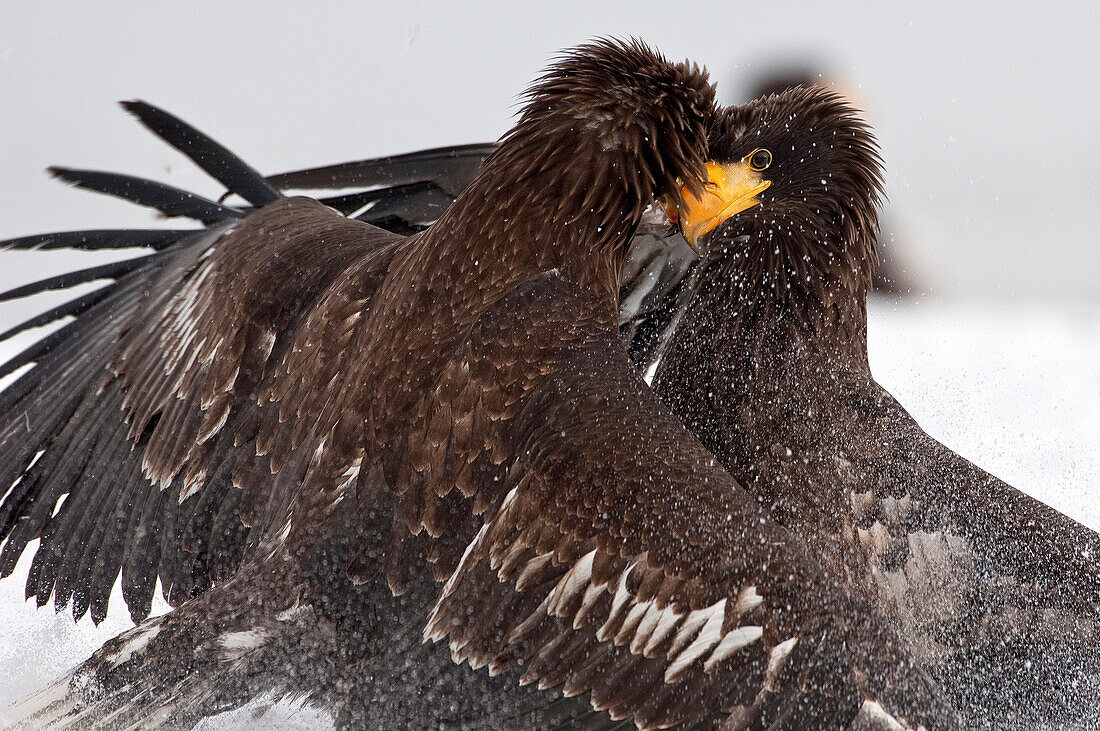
(747, 599)
(667, 621)
(432, 631)
(734, 640)
(777, 658)
(931, 588)
(709, 636)
(622, 596)
(236, 644)
(873, 715)
(136, 643)
(591, 596)
(648, 628)
(574, 581)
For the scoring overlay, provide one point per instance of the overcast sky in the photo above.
(988, 118)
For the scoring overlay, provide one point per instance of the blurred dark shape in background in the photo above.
(892, 278)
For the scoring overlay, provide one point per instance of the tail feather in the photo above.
(417, 203)
(80, 276)
(72, 308)
(450, 168)
(92, 240)
(230, 170)
(168, 200)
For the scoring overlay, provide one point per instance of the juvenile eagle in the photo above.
(997, 593)
(334, 445)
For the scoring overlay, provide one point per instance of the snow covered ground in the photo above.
(1013, 387)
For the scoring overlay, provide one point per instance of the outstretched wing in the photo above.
(137, 404)
(155, 370)
(616, 558)
(997, 593)
(1010, 586)
(1019, 554)
(148, 302)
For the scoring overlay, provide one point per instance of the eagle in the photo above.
(760, 348)
(417, 480)
(766, 363)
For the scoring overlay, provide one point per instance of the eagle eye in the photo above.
(759, 159)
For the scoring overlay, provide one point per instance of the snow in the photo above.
(1013, 387)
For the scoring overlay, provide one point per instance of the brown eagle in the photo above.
(334, 446)
(997, 593)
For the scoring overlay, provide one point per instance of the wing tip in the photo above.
(146, 113)
(64, 174)
(135, 106)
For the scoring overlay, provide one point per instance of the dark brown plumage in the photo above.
(998, 594)
(773, 358)
(301, 423)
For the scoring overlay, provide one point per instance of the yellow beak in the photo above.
(730, 189)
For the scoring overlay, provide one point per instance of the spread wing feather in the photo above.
(162, 197)
(402, 193)
(132, 357)
(617, 559)
(920, 509)
(50, 405)
(451, 169)
(142, 384)
(1016, 582)
(221, 164)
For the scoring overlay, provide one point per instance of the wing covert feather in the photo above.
(613, 552)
